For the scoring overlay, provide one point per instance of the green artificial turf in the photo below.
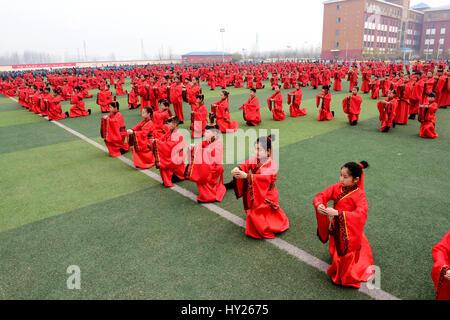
(66, 202)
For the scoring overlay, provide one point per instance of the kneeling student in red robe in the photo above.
(199, 117)
(275, 104)
(427, 118)
(55, 111)
(114, 132)
(133, 97)
(222, 114)
(139, 137)
(169, 153)
(441, 268)
(205, 166)
(104, 97)
(254, 181)
(352, 106)
(160, 118)
(324, 112)
(251, 110)
(387, 109)
(78, 110)
(349, 248)
(295, 100)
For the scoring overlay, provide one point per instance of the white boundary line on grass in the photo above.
(298, 253)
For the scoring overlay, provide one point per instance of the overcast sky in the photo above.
(117, 26)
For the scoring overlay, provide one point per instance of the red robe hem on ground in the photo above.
(349, 248)
(260, 197)
(441, 258)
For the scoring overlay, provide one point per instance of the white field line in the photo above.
(298, 253)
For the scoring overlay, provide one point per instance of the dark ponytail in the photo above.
(356, 169)
(148, 110)
(266, 142)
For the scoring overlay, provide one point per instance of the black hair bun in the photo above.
(365, 164)
(271, 137)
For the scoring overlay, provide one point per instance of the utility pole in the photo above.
(222, 31)
(84, 46)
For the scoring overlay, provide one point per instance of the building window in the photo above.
(337, 32)
(338, 20)
(339, 7)
(336, 44)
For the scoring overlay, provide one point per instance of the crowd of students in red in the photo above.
(156, 140)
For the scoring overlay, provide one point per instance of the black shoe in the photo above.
(67, 114)
(332, 112)
(229, 185)
(176, 179)
(89, 111)
(123, 151)
(443, 107)
(354, 123)
(412, 116)
(181, 122)
(394, 124)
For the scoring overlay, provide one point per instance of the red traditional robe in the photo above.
(428, 88)
(325, 105)
(387, 113)
(55, 112)
(169, 156)
(402, 112)
(366, 80)
(375, 88)
(294, 101)
(445, 95)
(385, 86)
(199, 117)
(142, 156)
(438, 88)
(251, 111)
(206, 169)
(114, 132)
(223, 117)
(249, 81)
(352, 107)
(119, 88)
(260, 196)
(238, 82)
(133, 99)
(349, 248)
(36, 103)
(416, 96)
(77, 110)
(427, 121)
(66, 92)
(104, 97)
(192, 93)
(177, 100)
(145, 90)
(22, 97)
(45, 103)
(337, 85)
(159, 119)
(441, 258)
(353, 79)
(276, 106)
